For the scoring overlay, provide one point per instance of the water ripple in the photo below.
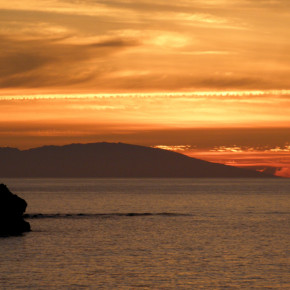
(98, 215)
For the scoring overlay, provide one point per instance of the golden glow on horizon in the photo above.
(122, 70)
(153, 110)
(272, 160)
(179, 148)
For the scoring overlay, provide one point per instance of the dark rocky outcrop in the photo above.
(12, 208)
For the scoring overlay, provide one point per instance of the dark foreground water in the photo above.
(150, 234)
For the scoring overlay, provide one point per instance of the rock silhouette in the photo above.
(12, 208)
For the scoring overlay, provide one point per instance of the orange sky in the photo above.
(151, 73)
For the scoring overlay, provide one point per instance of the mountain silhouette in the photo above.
(110, 160)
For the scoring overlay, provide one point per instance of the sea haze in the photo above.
(150, 234)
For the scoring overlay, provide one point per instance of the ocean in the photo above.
(150, 234)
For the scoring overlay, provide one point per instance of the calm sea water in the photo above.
(150, 234)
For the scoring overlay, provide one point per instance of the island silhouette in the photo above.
(111, 160)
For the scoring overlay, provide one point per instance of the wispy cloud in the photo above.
(186, 110)
(187, 45)
(30, 63)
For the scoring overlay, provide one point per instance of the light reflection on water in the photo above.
(234, 234)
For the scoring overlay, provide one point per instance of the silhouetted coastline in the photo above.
(12, 208)
(112, 160)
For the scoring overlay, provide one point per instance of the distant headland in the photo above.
(112, 160)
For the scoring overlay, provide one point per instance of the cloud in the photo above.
(60, 7)
(172, 81)
(272, 170)
(19, 59)
(283, 172)
(50, 62)
(183, 110)
(185, 45)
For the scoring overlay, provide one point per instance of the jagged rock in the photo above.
(12, 208)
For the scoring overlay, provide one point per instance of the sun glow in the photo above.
(117, 117)
(213, 75)
(153, 110)
(265, 159)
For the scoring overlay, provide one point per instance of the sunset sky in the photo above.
(207, 78)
